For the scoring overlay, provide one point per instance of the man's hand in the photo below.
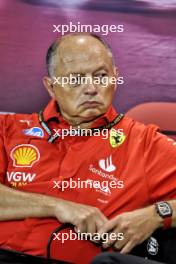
(86, 219)
(136, 227)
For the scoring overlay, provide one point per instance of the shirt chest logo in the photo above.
(18, 179)
(106, 171)
(25, 155)
(116, 138)
(107, 165)
(34, 131)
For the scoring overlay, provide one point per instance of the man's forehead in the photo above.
(81, 53)
(83, 63)
(80, 46)
(83, 56)
(73, 57)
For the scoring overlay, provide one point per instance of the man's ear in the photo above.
(47, 82)
(116, 74)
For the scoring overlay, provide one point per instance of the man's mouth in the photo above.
(91, 103)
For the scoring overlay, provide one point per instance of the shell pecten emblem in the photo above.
(25, 155)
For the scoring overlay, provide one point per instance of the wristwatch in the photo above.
(165, 211)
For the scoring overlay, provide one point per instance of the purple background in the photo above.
(145, 52)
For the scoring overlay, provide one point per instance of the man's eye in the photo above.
(74, 81)
(101, 75)
(101, 78)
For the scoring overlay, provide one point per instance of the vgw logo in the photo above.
(17, 179)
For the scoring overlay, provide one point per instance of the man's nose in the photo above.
(90, 87)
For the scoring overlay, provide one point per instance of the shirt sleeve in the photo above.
(160, 165)
(3, 156)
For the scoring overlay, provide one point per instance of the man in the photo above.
(35, 161)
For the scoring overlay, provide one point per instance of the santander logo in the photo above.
(107, 165)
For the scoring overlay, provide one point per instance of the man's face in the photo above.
(79, 57)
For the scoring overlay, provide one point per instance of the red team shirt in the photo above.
(142, 163)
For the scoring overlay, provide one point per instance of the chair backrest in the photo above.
(160, 113)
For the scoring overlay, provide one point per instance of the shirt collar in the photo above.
(52, 112)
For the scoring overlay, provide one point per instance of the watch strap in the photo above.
(167, 217)
(167, 222)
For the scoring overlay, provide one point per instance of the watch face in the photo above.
(164, 209)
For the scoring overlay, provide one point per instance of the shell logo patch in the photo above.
(117, 137)
(24, 155)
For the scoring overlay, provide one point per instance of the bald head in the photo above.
(64, 49)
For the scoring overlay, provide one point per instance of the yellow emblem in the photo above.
(116, 138)
(24, 155)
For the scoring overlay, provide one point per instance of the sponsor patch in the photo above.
(18, 176)
(116, 139)
(107, 165)
(18, 179)
(34, 131)
(24, 155)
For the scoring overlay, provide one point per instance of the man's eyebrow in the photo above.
(74, 73)
(101, 68)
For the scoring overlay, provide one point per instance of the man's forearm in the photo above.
(16, 204)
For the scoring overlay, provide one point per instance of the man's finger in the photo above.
(118, 245)
(128, 247)
(109, 225)
(115, 238)
(100, 222)
(91, 226)
(102, 217)
(82, 227)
